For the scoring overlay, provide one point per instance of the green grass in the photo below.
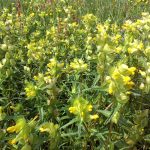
(116, 10)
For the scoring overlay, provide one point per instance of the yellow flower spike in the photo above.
(94, 117)
(72, 109)
(89, 107)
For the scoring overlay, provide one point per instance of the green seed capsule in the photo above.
(7, 56)
(10, 47)
(26, 147)
(4, 47)
(12, 62)
(116, 117)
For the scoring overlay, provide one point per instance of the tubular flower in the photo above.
(11, 129)
(19, 125)
(94, 117)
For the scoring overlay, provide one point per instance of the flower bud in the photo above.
(142, 86)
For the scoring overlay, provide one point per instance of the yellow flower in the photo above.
(115, 74)
(49, 127)
(72, 109)
(126, 79)
(19, 125)
(81, 108)
(143, 74)
(118, 49)
(94, 117)
(132, 70)
(12, 142)
(128, 93)
(130, 85)
(11, 129)
(89, 107)
(82, 114)
(53, 63)
(31, 93)
(35, 78)
(135, 46)
(78, 65)
(43, 129)
(30, 90)
(111, 88)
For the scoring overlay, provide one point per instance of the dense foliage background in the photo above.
(74, 74)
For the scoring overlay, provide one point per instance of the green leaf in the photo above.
(147, 138)
(106, 113)
(69, 123)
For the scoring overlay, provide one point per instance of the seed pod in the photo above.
(10, 47)
(142, 86)
(26, 147)
(12, 62)
(7, 56)
(115, 117)
(4, 47)
(148, 80)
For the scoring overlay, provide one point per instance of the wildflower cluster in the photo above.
(82, 109)
(120, 82)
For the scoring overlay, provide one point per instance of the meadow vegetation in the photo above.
(74, 74)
